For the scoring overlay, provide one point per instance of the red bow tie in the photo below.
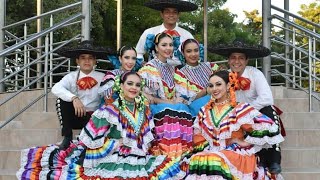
(244, 83)
(86, 83)
(172, 32)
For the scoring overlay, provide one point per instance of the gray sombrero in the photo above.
(251, 51)
(85, 47)
(181, 6)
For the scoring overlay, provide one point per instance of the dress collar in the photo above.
(160, 62)
(192, 67)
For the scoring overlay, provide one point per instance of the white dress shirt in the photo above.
(259, 95)
(66, 88)
(184, 35)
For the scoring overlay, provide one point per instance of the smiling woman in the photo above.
(113, 145)
(173, 120)
(228, 135)
(126, 60)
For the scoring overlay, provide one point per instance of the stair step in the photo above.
(294, 93)
(300, 173)
(303, 120)
(10, 159)
(35, 120)
(302, 138)
(17, 104)
(282, 92)
(300, 157)
(292, 104)
(12, 125)
(39, 120)
(8, 174)
(25, 138)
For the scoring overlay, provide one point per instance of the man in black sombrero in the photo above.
(169, 12)
(77, 92)
(254, 89)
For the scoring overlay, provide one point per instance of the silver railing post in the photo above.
(2, 24)
(39, 41)
(266, 33)
(287, 39)
(86, 21)
(51, 54)
(310, 74)
(46, 49)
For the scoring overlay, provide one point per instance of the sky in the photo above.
(238, 6)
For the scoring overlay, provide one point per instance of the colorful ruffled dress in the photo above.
(173, 122)
(191, 80)
(113, 145)
(218, 157)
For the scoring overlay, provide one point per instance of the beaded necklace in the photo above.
(133, 115)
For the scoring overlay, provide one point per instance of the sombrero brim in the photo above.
(251, 52)
(75, 53)
(181, 6)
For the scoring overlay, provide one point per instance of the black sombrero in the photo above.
(85, 47)
(181, 6)
(251, 51)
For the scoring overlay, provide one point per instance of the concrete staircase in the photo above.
(300, 151)
(33, 128)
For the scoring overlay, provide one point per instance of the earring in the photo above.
(137, 99)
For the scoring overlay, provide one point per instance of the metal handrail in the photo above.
(295, 16)
(15, 94)
(300, 87)
(293, 64)
(37, 60)
(304, 57)
(43, 15)
(40, 34)
(309, 32)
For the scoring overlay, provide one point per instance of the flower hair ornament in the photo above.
(149, 45)
(234, 84)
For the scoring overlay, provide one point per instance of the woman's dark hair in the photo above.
(125, 75)
(160, 36)
(188, 41)
(223, 74)
(123, 49)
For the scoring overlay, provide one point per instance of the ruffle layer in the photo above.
(109, 115)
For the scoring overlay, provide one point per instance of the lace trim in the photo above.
(46, 155)
(157, 80)
(103, 90)
(204, 176)
(265, 140)
(266, 126)
(233, 169)
(125, 173)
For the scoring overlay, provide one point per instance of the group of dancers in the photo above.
(176, 117)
